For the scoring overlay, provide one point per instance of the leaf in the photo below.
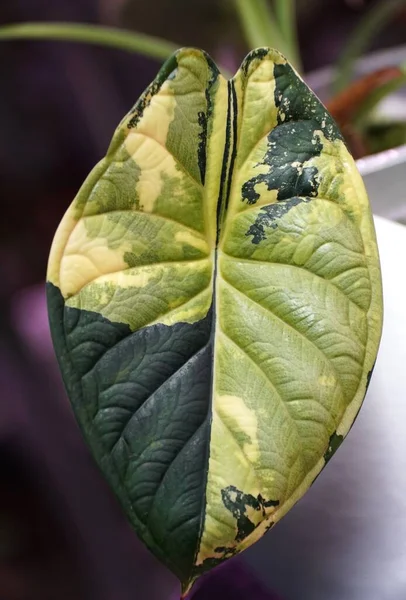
(215, 304)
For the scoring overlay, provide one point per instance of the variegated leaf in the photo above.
(215, 303)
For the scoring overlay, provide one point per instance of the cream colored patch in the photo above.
(152, 160)
(238, 418)
(262, 68)
(264, 71)
(66, 226)
(186, 237)
(327, 380)
(86, 259)
(147, 146)
(355, 188)
(299, 166)
(136, 277)
(149, 188)
(253, 165)
(158, 115)
(265, 196)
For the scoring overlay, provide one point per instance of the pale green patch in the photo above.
(182, 199)
(190, 312)
(156, 291)
(189, 85)
(335, 168)
(236, 416)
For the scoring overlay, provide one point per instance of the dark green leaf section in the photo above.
(269, 216)
(142, 399)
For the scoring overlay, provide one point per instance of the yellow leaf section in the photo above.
(63, 234)
(137, 243)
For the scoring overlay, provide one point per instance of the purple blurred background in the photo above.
(62, 533)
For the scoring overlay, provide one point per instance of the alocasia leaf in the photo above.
(215, 302)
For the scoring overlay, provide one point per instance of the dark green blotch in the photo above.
(296, 102)
(233, 101)
(369, 376)
(333, 445)
(292, 143)
(269, 216)
(201, 150)
(203, 120)
(143, 102)
(289, 146)
(209, 563)
(226, 173)
(237, 503)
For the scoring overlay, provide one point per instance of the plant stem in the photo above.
(375, 20)
(253, 27)
(128, 41)
(261, 27)
(285, 12)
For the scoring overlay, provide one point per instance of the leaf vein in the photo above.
(309, 341)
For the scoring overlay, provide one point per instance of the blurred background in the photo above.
(62, 534)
